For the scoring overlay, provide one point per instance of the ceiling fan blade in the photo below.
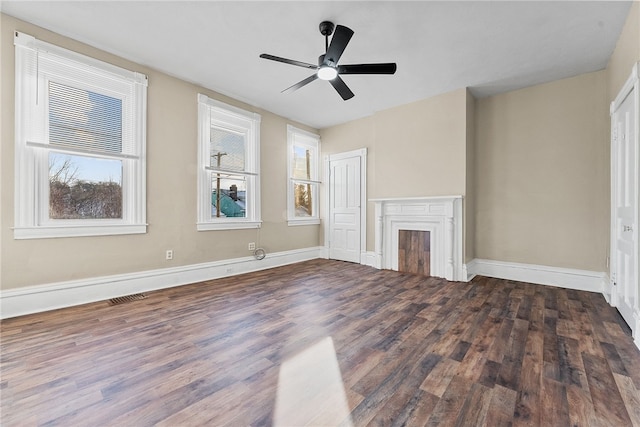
(301, 83)
(385, 68)
(289, 61)
(342, 88)
(339, 42)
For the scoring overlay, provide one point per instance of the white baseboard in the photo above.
(35, 299)
(324, 252)
(465, 272)
(582, 280)
(636, 329)
(368, 259)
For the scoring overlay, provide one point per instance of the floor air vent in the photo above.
(128, 298)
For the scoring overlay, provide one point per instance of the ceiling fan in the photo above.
(328, 68)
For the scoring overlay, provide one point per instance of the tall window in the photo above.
(303, 172)
(80, 144)
(228, 166)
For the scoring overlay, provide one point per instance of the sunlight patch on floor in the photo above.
(310, 389)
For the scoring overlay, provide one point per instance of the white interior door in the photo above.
(345, 208)
(625, 207)
(624, 226)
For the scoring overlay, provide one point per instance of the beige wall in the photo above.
(542, 166)
(414, 150)
(532, 165)
(542, 174)
(171, 188)
(420, 148)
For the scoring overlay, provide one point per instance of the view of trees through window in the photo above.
(303, 198)
(84, 187)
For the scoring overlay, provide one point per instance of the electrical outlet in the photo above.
(252, 246)
(169, 254)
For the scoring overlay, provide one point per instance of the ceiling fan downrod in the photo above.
(326, 29)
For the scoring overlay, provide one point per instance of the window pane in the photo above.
(227, 150)
(82, 187)
(229, 193)
(83, 119)
(303, 196)
(302, 160)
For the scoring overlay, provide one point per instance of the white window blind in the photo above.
(227, 150)
(86, 120)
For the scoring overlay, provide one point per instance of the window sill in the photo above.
(48, 232)
(297, 222)
(230, 225)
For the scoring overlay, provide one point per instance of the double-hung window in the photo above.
(228, 166)
(80, 144)
(303, 173)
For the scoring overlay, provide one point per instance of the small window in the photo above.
(228, 166)
(80, 144)
(303, 174)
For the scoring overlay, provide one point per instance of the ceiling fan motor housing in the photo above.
(326, 28)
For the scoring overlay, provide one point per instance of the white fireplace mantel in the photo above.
(440, 215)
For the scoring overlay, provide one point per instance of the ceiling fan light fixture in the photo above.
(327, 73)
(328, 68)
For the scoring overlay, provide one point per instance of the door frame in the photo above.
(610, 291)
(362, 154)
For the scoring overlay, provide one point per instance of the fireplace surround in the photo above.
(440, 215)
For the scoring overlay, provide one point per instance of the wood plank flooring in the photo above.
(325, 343)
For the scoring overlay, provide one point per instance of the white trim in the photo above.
(608, 287)
(368, 258)
(212, 112)
(582, 280)
(300, 222)
(303, 138)
(440, 215)
(227, 225)
(324, 252)
(465, 272)
(56, 64)
(626, 88)
(30, 42)
(47, 232)
(636, 328)
(362, 153)
(612, 292)
(35, 299)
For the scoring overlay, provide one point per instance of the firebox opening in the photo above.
(414, 252)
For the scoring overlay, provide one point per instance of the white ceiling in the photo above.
(439, 46)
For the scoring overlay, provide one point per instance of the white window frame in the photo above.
(215, 113)
(300, 137)
(37, 63)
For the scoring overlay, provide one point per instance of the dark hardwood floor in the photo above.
(325, 343)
